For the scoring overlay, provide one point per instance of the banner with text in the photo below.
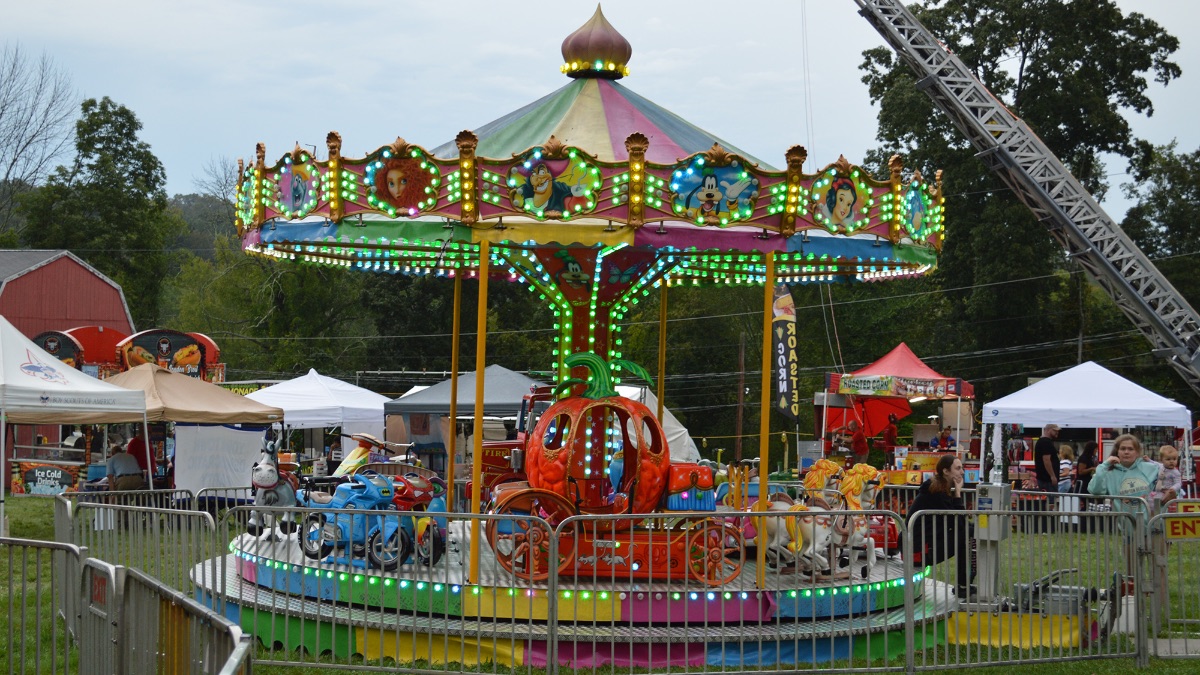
(783, 328)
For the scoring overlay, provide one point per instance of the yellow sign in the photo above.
(1184, 527)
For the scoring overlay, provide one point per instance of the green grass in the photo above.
(1026, 556)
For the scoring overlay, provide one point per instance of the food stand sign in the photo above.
(787, 370)
(47, 479)
(890, 385)
(61, 346)
(175, 351)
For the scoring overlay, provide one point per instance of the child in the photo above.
(1170, 483)
(1066, 467)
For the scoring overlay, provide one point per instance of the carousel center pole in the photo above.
(453, 440)
(764, 422)
(662, 346)
(480, 365)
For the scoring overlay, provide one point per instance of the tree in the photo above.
(37, 102)
(1073, 70)
(274, 317)
(110, 207)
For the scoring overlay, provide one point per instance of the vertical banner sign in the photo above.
(783, 325)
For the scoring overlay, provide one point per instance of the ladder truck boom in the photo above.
(1019, 157)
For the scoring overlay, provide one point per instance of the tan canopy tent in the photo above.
(173, 397)
(217, 432)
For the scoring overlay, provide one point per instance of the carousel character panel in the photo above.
(553, 188)
(714, 195)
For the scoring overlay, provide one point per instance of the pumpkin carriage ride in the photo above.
(597, 465)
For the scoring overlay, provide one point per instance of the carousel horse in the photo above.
(821, 483)
(852, 533)
(810, 533)
(272, 487)
(796, 539)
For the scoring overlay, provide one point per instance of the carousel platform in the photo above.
(444, 588)
(585, 637)
(432, 614)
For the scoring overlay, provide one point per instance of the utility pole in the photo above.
(737, 424)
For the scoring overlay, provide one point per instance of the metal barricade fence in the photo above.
(653, 592)
(164, 543)
(100, 648)
(217, 500)
(334, 594)
(1174, 562)
(665, 591)
(160, 499)
(1029, 594)
(188, 637)
(38, 609)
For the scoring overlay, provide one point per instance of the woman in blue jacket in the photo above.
(1125, 474)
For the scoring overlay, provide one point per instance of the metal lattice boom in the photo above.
(1011, 150)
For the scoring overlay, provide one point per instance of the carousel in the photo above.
(594, 198)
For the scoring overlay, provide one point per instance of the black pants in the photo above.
(950, 537)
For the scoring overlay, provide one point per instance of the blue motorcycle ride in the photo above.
(384, 538)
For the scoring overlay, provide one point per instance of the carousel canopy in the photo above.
(592, 165)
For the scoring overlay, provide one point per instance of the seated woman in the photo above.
(939, 537)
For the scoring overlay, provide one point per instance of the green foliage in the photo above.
(207, 218)
(272, 316)
(109, 207)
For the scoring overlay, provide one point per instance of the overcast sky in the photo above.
(211, 79)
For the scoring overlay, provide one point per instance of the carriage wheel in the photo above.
(522, 545)
(709, 548)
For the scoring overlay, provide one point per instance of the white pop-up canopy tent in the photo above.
(36, 388)
(315, 401)
(1088, 396)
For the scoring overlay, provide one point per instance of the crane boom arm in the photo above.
(1013, 152)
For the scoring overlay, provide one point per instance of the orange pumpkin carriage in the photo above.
(603, 454)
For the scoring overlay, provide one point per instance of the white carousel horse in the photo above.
(852, 534)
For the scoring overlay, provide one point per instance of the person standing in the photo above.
(1125, 474)
(1045, 466)
(890, 439)
(858, 442)
(123, 471)
(1066, 467)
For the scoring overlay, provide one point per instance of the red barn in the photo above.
(53, 290)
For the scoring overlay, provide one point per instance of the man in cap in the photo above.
(1045, 462)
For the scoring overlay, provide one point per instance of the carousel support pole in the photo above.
(764, 421)
(480, 365)
(151, 466)
(453, 440)
(662, 346)
(7, 485)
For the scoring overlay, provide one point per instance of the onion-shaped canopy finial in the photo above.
(596, 49)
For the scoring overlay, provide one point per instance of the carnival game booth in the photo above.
(595, 198)
(315, 401)
(36, 388)
(218, 434)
